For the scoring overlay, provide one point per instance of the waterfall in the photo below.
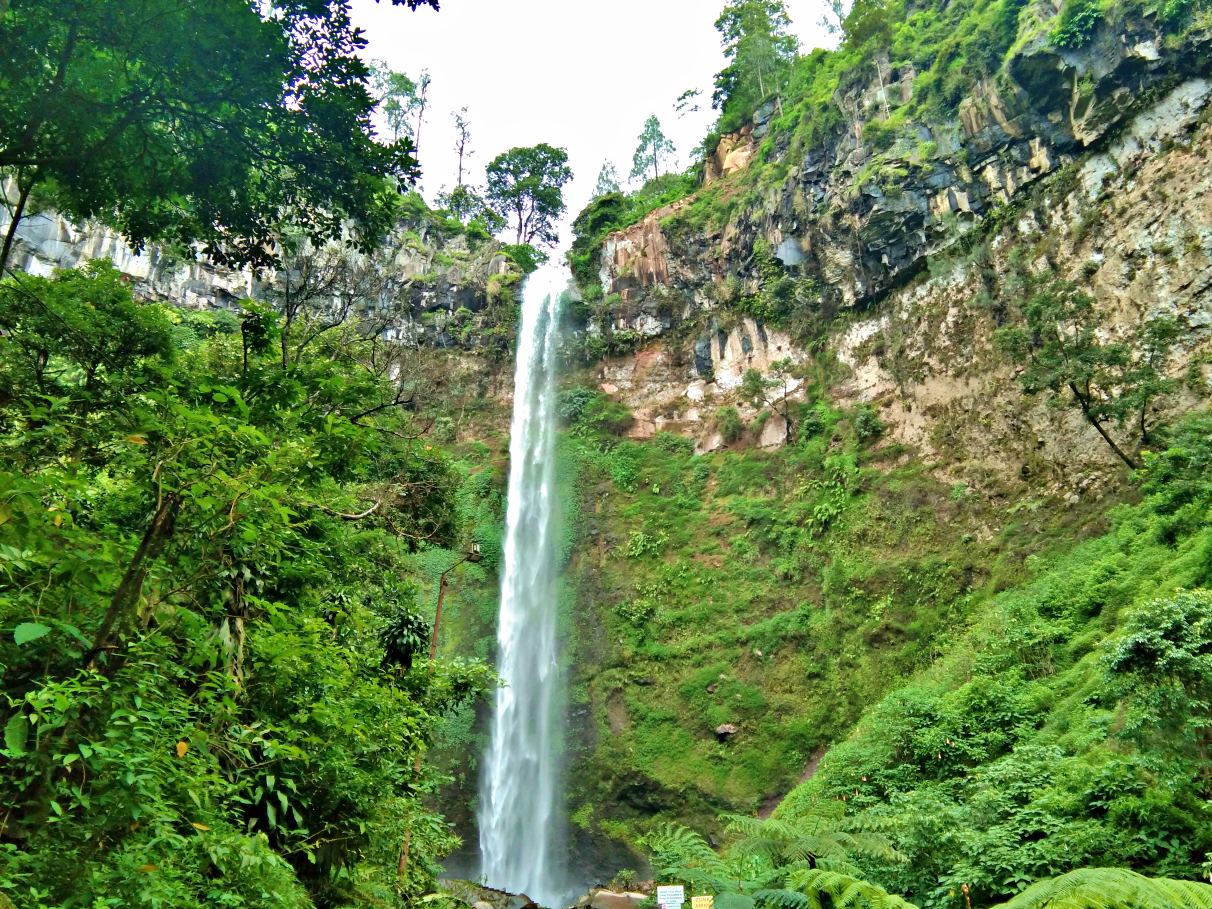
(521, 797)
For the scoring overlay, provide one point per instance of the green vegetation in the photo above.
(759, 52)
(808, 102)
(214, 634)
(857, 681)
(525, 187)
(204, 128)
(1062, 729)
(789, 590)
(1063, 346)
(653, 146)
(614, 211)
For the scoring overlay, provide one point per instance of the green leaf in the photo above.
(29, 631)
(16, 734)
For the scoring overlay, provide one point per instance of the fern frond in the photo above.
(734, 901)
(1112, 888)
(782, 899)
(870, 844)
(841, 866)
(844, 890)
(676, 848)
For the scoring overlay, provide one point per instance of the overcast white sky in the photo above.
(578, 75)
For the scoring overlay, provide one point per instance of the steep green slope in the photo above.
(1069, 725)
(779, 592)
(1022, 703)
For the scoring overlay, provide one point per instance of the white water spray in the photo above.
(520, 794)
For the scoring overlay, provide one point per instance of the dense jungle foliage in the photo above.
(215, 668)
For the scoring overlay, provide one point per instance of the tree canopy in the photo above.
(194, 121)
(525, 186)
(760, 53)
(1063, 346)
(608, 180)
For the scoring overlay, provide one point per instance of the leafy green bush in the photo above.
(573, 402)
(728, 424)
(607, 415)
(1077, 23)
(526, 257)
(673, 443)
(867, 423)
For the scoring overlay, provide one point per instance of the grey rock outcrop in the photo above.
(434, 290)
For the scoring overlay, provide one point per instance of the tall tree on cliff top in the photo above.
(608, 180)
(194, 120)
(462, 144)
(654, 145)
(401, 100)
(525, 186)
(759, 52)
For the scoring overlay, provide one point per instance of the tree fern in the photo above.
(843, 891)
(805, 839)
(675, 846)
(782, 899)
(1112, 888)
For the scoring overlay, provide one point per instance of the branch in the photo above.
(352, 517)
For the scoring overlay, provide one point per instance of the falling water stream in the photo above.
(521, 796)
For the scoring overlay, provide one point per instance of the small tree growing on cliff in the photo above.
(654, 145)
(1065, 351)
(525, 186)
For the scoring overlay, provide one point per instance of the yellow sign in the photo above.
(702, 902)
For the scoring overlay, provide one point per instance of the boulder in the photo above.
(726, 731)
(609, 899)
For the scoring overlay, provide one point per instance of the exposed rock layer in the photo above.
(1130, 218)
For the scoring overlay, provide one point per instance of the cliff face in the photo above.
(1091, 163)
(428, 285)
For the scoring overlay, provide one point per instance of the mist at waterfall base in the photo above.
(521, 822)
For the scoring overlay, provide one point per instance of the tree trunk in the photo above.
(1144, 428)
(1085, 406)
(131, 586)
(18, 212)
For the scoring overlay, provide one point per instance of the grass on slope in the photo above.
(779, 592)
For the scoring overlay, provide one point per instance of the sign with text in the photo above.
(671, 897)
(702, 902)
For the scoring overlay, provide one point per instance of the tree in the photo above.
(467, 204)
(759, 52)
(194, 121)
(653, 146)
(1064, 351)
(608, 180)
(401, 100)
(396, 94)
(525, 186)
(462, 140)
(419, 105)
